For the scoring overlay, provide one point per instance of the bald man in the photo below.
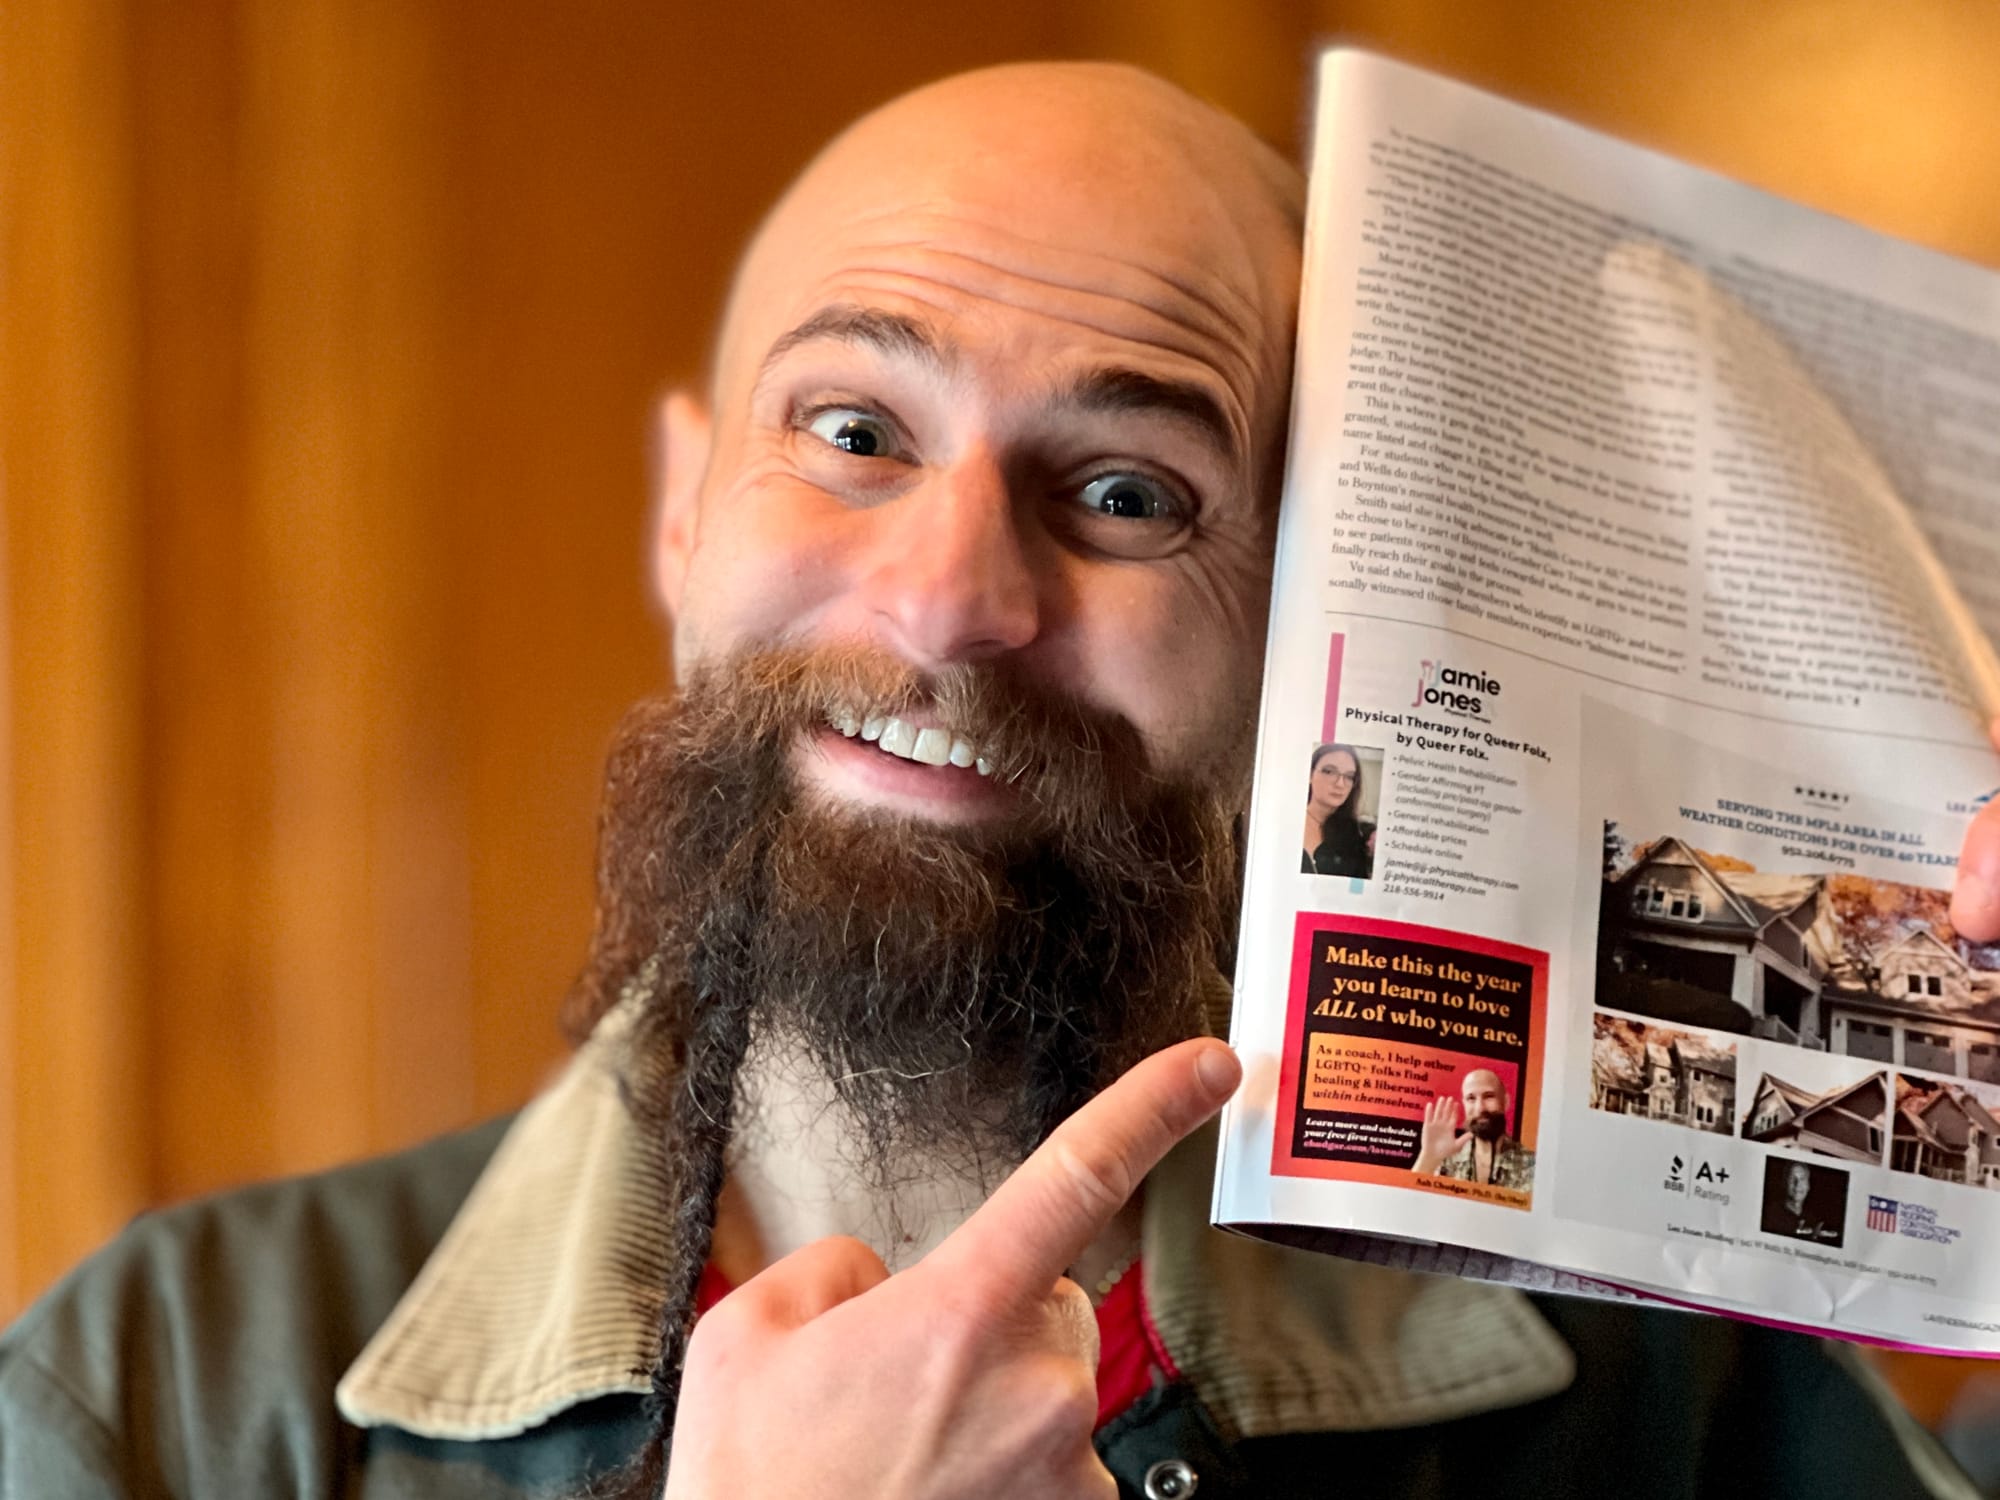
(880, 1169)
(1485, 1152)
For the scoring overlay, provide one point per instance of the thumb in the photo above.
(1975, 896)
(814, 1279)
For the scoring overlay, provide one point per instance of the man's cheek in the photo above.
(759, 586)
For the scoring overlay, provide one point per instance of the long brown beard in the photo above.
(947, 981)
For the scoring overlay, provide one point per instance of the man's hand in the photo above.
(1975, 899)
(1440, 1134)
(973, 1373)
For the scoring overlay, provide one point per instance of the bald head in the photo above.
(1071, 153)
(1124, 117)
(1003, 380)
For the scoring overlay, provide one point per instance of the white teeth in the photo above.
(933, 747)
(929, 746)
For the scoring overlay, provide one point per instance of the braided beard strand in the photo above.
(947, 982)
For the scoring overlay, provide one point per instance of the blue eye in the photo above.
(853, 432)
(1131, 497)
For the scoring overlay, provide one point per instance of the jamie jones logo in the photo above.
(1455, 690)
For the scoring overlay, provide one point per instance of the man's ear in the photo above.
(681, 437)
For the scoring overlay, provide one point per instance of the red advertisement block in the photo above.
(1412, 1057)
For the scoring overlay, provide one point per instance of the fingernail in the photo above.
(1218, 1070)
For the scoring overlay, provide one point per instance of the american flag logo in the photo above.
(1882, 1214)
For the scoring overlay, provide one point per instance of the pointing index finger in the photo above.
(1062, 1197)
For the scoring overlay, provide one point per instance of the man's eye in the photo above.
(1131, 497)
(853, 432)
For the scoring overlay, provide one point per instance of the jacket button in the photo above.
(1170, 1479)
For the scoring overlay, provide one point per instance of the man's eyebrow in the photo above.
(1118, 390)
(1111, 389)
(886, 332)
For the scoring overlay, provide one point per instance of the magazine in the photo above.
(1637, 573)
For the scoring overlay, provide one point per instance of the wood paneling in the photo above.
(345, 420)
(72, 1095)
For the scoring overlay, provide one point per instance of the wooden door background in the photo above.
(329, 331)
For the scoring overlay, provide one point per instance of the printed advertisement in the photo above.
(1414, 1058)
(1801, 1055)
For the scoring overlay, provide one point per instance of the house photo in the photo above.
(1658, 1073)
(1686, 939)
(1915, 1002)
(1834, 963)
(1849, 1121)
(1945, 1132)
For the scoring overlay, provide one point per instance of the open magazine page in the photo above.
(1611, 677)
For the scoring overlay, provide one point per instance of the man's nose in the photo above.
(953, 577)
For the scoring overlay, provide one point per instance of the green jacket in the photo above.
(483, 1346)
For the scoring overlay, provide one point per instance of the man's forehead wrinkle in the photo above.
(1238, 352)
(924, 283)
(1140, 329)
(1213, 335)
(886, 331)
(1077, 266)
(1174, 276)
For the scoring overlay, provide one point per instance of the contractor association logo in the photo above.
(1459, 691)
(1913, 1221)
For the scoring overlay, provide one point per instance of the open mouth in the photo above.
(927, 745)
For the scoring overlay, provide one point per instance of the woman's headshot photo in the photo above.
(1341, 792)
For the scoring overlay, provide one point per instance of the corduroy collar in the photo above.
(544, 1293)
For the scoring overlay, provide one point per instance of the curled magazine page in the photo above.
(1595, 564)
(1819, 587)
